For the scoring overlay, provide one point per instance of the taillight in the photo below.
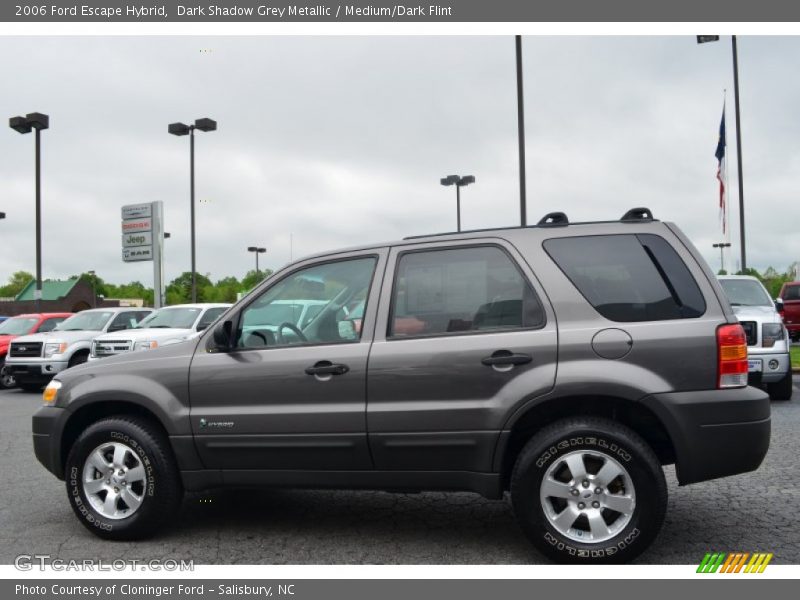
(731, 356)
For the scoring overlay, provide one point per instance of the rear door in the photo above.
(465, 332)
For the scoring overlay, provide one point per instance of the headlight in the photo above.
(147, 345)
(771, 333)
(57, 348)
(50, 392)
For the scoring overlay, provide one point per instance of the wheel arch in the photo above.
(630, 413)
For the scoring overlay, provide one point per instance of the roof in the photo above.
(740, 277)
(51, 290)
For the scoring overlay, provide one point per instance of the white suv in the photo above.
(165, 326)
(767, 338)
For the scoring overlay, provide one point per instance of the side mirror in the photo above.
(223, 336)
(779, 305)
(202, 326)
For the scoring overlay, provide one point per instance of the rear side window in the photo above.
(629, 277)
(461, 290)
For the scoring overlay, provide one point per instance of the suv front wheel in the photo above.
(589, 490)
(122, 479)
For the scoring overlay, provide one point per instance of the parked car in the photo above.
(2, 318)
(34, 359)
(23, 325)
(564, 363)
(165, 326)
(790, 299)
(767, 338)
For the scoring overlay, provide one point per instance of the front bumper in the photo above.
(35, 371)
(48, 426)
(763, 368)
(715, 433)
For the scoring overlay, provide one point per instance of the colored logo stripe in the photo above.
(734, 562)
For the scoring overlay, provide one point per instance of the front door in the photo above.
(291, 393)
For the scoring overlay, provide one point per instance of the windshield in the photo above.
(177, 318)
(89, 320)
(745, 292)
(17, 326)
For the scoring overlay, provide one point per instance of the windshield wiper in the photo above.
(158, 327)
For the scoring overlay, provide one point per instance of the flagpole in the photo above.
(727, 187)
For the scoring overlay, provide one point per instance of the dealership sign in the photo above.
(143, 240)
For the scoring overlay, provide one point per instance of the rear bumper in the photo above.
(716, 433)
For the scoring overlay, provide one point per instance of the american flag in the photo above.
(721, 167)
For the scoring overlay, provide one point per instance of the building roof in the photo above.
(51, 290)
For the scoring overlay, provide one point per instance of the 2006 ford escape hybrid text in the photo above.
(564, 363)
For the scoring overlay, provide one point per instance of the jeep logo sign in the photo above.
(144, 238)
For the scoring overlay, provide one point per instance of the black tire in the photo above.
(30, 387)
(608, 439)
(781, 390)
(6, 379)
(78, 359)
(162, 493)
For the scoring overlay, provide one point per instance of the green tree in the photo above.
(253, 278)
(16, 282)
(179, 290)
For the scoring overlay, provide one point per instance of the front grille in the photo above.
(25, 349)
(111, 347)
(751, 331)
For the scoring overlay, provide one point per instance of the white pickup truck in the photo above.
(767, 338)
(34, 359)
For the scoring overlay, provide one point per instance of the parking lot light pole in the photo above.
(459, 182)
(722, 246)
(94, 288)
(257, 251)
(183, 129)
(36, 121)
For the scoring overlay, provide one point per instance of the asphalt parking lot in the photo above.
(752, 512)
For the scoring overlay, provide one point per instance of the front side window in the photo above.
(49, 324)
(460, 290)
(309, 306)
(124, 320)
(90, 320)
(629, 277)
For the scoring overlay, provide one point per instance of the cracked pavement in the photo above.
(751, 512)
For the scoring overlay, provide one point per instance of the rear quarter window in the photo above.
(629, 277)
(791, 292)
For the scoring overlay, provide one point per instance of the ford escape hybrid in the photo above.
(564, 363)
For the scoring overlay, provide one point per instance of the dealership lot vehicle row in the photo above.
(750, 512)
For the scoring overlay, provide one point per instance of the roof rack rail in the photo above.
(554, 219)
(638, 214)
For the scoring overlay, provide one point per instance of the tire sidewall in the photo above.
(649, 488)
(141, 445)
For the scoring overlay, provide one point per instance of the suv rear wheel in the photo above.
(122, 478)
(589, 490)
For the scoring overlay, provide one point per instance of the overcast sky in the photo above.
(342, 140)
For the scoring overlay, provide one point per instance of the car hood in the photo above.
(156, 333)
(70, 337)
(758, 313)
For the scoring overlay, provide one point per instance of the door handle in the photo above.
(326, 367)
(504, 357)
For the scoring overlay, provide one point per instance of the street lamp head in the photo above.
(205, 124)
(19, 124)
(2, 215)
(38, 120)
(261, 250)
(178, 129)
(449, 180)
(167, 235)
(466, 180)
(702, 39)
(90, 272)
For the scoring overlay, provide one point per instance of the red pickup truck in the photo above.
(23, 325)
(790, 294)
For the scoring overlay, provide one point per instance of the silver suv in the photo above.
(563, 364)
(768, 358)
